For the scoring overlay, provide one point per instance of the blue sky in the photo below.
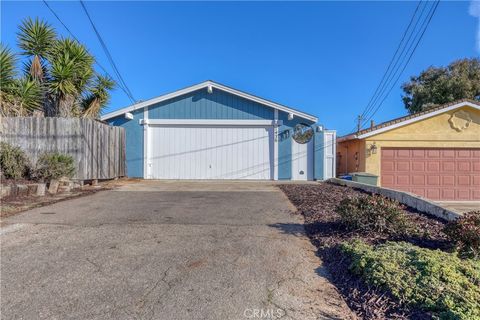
(324, 58)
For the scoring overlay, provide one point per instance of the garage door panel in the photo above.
(433, 180)
(418, 166)
(433, 153)
(219, 152)
(418, 180)
(403, 180)
(403, 153)
(403, 166)
(433, 193)
(448, 180)
(437, 174)
(418, 191)
(388, 166)
(448, 166)
(418, 153)
(433, 166)
(388, 179)
(448, 194)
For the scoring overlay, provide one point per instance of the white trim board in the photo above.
(208, 122)
(213, 85)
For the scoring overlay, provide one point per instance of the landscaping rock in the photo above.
(32, 188)
(5, 191)
(22, 190)
(53, 187)
(40, 190)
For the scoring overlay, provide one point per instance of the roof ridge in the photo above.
(413, 115)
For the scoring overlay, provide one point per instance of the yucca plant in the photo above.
(7, 78)
(98, 97)
(70, 74)
(28, 97)
(35, 38)
(59, 76)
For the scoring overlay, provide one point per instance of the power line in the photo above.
(387, 71)
(76, 39)
(431, 14)
(403, 54)
(107, 52)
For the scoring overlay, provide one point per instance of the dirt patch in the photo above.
(317, 204)
(12, 205)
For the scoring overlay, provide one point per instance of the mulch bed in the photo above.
(317, 204)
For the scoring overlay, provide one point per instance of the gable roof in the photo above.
(213, 85)
(402, 121)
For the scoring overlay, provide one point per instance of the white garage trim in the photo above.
(210, 152)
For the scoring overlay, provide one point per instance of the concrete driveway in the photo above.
(165, 250)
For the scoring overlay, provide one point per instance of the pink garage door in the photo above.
(437, 174)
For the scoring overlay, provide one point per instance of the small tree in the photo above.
(436, 86)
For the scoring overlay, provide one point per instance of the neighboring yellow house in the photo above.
(434, 153)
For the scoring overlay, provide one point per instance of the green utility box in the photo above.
(364, 177)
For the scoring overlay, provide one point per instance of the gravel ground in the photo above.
(317, 204)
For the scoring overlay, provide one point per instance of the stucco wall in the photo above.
(440, 131)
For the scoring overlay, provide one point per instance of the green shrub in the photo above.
(465, 232)
(432, 280)
(372, 213)
(13, 161)
(54, 166)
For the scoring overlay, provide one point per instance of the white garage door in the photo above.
(206, 152)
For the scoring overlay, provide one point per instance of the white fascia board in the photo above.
(419, 118)
(214, 85)
(208, 122)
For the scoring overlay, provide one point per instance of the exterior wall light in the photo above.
(373, 148)
(128, 116)
(290, 116)
(210, 89)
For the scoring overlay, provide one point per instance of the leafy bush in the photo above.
(432, 280)
(372, 213)
(54, 166)
(13, 161)
(465, 232)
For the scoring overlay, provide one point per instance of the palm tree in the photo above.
(70, 74)
(98, 97)
(7, 75)
(35, 38)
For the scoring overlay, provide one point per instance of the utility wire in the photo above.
(431, 14)
(76, 39)
(376, 101)
(107, 52)
(387, 71)
(404, 54)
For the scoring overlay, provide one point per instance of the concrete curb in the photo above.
(409, 199)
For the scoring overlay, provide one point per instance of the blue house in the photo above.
(211, 131)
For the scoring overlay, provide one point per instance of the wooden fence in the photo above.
(98, 149)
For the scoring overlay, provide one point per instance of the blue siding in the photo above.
(285, 144)
(318, 155)
(134, 142)
(217, 105)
